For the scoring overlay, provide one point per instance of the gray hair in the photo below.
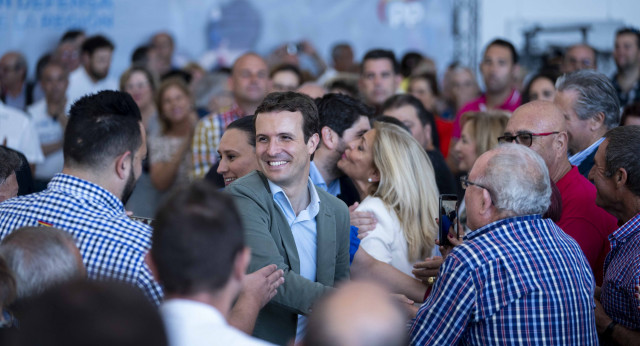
(518, 180)
(10, 162)
(40, 257)
(623, 151)
(595, 94)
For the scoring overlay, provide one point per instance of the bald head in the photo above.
(359, 313)
(249, 81)
(542, 117)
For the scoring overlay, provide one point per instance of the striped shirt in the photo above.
(206, 139)
(519, 280)
(112, 245)
(622, 275)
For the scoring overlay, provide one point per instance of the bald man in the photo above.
(359, 314)
(249, 84)
(541, 126)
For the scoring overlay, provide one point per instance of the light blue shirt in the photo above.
(577, 158)
(303, 228)
(317, 179)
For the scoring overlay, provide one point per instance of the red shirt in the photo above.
(480, 104)
(444, 129)
(584, 221)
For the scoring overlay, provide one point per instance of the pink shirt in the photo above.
(480, 104)
(584, 221)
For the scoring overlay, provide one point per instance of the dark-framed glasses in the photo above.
(524, 138)
(465, 182)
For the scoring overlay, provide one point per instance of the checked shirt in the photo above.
(206, 139)
(622, 275)
(112, 245)
(519, 280)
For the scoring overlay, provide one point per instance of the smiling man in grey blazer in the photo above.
(287, 220)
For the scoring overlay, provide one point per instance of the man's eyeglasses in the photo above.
(524, 138)
(465, 184)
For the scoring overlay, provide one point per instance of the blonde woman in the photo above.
(480, 132)
(396, 183)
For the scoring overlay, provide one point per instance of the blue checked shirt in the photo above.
(520, 280)
(112, 245)
(622, 275)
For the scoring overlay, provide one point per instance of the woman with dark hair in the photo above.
(138, 82)
(540, 87)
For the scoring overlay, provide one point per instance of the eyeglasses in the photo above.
(524, 138)
(465, 184)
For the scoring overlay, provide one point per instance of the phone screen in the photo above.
(447, 216)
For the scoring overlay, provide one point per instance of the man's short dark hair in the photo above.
(506, 44)
(248, 125)
(71, 35)
(287, 67)
(623, 151)
(381, 54)
(426, 117)
(98, 313)
(630, 30)
(293, 102)
(339, 112)
(93, 43)
(196, 238)
(10, 162)
(101, 126)
(408, 62)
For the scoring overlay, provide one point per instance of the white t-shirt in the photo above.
(19, 133)
(80, 84)
(193, 323)
(386, 242)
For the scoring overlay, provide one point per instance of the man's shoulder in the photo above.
(64, 211)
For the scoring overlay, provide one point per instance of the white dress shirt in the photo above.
(16, 128)
(80, 84)
(192, 323)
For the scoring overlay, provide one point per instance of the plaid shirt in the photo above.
(112, 245)
(206, 139)
(622, 275)
(519, 280)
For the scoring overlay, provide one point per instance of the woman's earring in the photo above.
(370, 180)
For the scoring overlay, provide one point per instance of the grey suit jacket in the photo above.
(269, 236)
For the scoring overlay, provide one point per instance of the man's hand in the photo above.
(407, 305)
(427, 271)
(602, 319)
(262, 285)
(364, 220)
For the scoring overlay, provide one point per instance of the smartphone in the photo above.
(448, 213)
(145, 220)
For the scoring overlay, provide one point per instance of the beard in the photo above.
(128, 188)
(98, 75)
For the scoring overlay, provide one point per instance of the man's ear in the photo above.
(427, 133)
(620, 177)
(329, 138)
(596, 122)
(85, 58)
(123, 165)
(487, 203)
(312, 144)
(241, 263)
(397, 80)
(230, 83)
(561, 143)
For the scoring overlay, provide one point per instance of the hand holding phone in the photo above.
(447, 218)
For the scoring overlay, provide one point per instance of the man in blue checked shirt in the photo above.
(517, 278)
(616, 174)
(104, 145)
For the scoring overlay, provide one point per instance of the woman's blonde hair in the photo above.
(407, 186)
(486, 127)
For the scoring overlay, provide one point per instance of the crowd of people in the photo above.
(261, 203)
